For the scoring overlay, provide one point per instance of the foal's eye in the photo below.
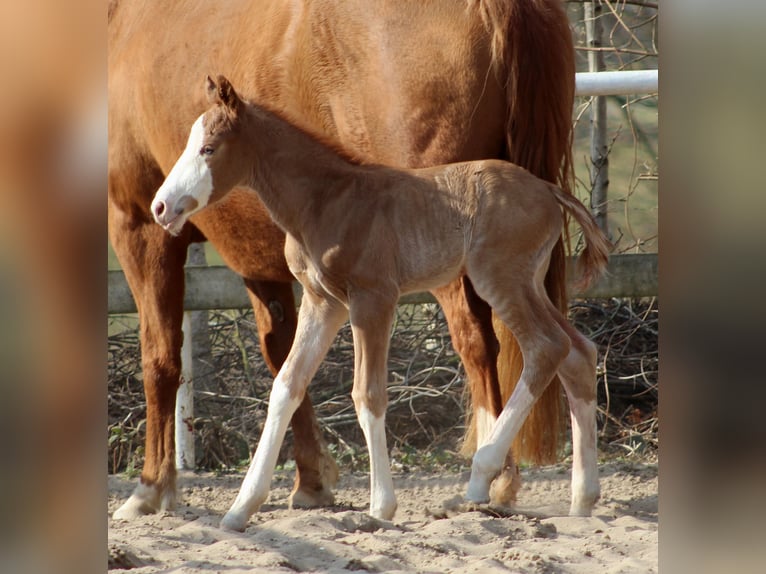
(207, 150)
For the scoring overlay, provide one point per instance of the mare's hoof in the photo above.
(146, 499)
(311, 498)
(504, 489)
(134, 507)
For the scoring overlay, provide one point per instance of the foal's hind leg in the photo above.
(544, 345)
(578, 374)
(316, 472)
(469, 319)
(318, 323)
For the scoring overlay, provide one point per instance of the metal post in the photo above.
(184, 435)
(599, 168)
(194, 357)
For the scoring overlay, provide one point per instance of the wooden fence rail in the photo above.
(217, 287)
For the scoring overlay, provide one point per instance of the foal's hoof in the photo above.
(477, 491)
(584, 506)
(476, 496)
(583, 512)
(384, 511)
(234, 522)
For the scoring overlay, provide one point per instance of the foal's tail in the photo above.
(593, 260)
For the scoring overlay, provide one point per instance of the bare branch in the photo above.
(642, 3)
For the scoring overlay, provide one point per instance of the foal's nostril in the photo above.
(159, 208)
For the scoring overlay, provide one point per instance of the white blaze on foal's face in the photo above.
(188, 186)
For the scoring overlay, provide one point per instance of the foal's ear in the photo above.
(227, 95)
(222, 92)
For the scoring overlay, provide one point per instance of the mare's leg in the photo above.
(469, 319)
(318, 322)
(316, 472)
(152, 261)
(470, 323)
(544, 345)
(578, 374)
(371, 320)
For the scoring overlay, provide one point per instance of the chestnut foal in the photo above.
(360, 236)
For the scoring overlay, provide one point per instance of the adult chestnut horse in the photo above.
(402, 83)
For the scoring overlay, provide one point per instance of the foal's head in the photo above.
(213, 162)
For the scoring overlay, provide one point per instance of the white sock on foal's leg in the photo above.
(578, 374)
(255, 487)
(585, 484)
(382, 496)
(489, 458)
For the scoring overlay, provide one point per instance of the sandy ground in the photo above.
(431, 532)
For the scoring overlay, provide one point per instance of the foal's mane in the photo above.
(286, 120)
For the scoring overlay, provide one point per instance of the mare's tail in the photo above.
(533, 52)
(594, 258)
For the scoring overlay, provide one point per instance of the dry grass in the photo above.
(426, 390)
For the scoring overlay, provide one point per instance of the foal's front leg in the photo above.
(371, 321)
(316, 472)
(318, 322)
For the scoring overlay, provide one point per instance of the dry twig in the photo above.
(426, 395)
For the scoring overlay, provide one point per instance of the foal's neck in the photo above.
(293, 172)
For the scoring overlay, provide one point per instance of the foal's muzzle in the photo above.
(170, 215)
